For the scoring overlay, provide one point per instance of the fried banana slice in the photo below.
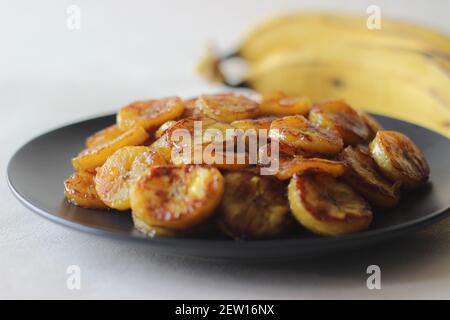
(227, 107)
(203, 229)
(280, 104)
(399, 158)
(117, 175)
(325, 206)
(254, 206)
(373, 125)
(227, 161)
(191, 108)
(149, 114)
(362, 174)
(204, 135)
(298, 164)
(163, 146)
(296, 135)
(253, 124)
(102, 136)
(94, 157)
(338, 116)
(176, 197)
(163, 128)
(79, 189)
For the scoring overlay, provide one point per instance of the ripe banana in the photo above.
(299, 30)
(402, 70)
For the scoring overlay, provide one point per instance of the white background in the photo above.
(128, 50)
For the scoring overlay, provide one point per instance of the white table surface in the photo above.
(136, 49)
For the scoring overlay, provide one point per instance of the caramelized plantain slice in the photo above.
(298, 164)
(373, 125)
(399, 158)
(117, 175)
(164, 127)
(94, 157)
(280, 104)
(338, 116)
(254, 206)
(176, 197)
(227, 161)
(227, 107)
(191, 108)
(296, 135)
(103, 136)
(325, 206)
(254, 124)
(203, 229)
(149, 114)
(212, 135)
(362, 174)
(79, 189)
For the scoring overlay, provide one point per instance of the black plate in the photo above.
(37, 171)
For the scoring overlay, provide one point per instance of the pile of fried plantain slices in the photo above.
(332, 166)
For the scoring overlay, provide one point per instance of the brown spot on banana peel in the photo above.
(337, 82)
(436, 95)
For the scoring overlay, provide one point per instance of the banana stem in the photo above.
(211, 68)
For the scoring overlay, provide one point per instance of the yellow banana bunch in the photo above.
(402, 70)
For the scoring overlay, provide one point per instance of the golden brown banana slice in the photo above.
(253, 131)
(102, 136)
(253, 124)
(149, 114)
(373, 125)
(362, 174)
(326, 206)
(338, 116)
(254, 206)
(227, 161)
(211, 135)
(203, 229)
(117, 175)
(94, 157)
(164, 127)
(298, 164)
(399, 158)
(200, 123)
(227, 107)
(176, 197)
(163, 147)
(191, 108)
(79, 189)
(280, 104)
(296, 135)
